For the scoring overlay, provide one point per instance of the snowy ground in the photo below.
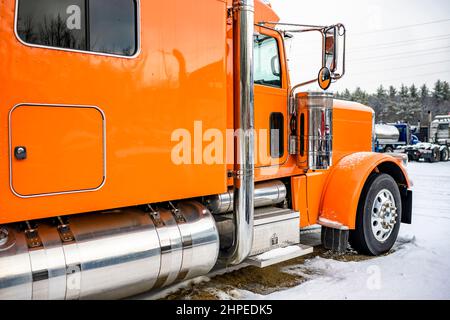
(418, 267)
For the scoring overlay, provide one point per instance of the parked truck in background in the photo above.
(115, 178)
(440, 131)
(424, 150)
(437, 147)
(440, 135)
(389, 137)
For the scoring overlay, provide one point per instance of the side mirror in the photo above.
(333, 38)
(330, 49)
(324, 78)
(326, 52)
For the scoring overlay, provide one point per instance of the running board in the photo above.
(276, 236)
(279, 255)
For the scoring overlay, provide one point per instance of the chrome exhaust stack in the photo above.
(243, 204)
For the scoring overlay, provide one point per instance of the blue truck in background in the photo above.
(399, 138)
(388, 137)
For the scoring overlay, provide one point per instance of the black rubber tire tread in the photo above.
(362, 239)
(444, 155)
(435, 156)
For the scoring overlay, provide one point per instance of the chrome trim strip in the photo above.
(11, 153)
(138, 38)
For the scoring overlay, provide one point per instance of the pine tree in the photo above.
(391, 104)
(424, 102)
(415, 107)
(424, 93)
(337, 95)
(360, 96)
(401, 108)
(438, 95)
(392, 92)
(413, 92)
(445, 91)
(381, 105)
(408, 104)
(347, 95)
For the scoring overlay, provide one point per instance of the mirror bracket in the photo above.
(336, 31)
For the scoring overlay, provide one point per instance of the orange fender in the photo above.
(345, 184)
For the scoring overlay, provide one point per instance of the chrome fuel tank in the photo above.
(107, 255)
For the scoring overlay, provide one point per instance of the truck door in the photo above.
(270, 80)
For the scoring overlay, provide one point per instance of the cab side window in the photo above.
(444, 128)
(105, 26)
(267, 61)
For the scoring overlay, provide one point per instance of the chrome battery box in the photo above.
(273, 228)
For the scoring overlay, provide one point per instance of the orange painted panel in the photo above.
(179, 77)
(299, 199)
(267, 101)
(65, 149)
(352, 129)
(347, 179)
(316, 183)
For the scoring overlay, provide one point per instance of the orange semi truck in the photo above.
(148, 142)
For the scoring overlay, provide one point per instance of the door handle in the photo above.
(20, 153)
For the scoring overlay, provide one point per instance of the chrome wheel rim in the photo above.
(383, 215)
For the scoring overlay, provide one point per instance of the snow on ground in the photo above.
(419, 267)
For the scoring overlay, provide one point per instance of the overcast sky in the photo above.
(389, 42)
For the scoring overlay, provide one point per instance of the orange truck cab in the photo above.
(147, 142)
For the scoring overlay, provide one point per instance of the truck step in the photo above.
(276, 236)
(279, 255)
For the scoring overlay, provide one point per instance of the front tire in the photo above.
(378, 217)
(444, 154)
(435, 156)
